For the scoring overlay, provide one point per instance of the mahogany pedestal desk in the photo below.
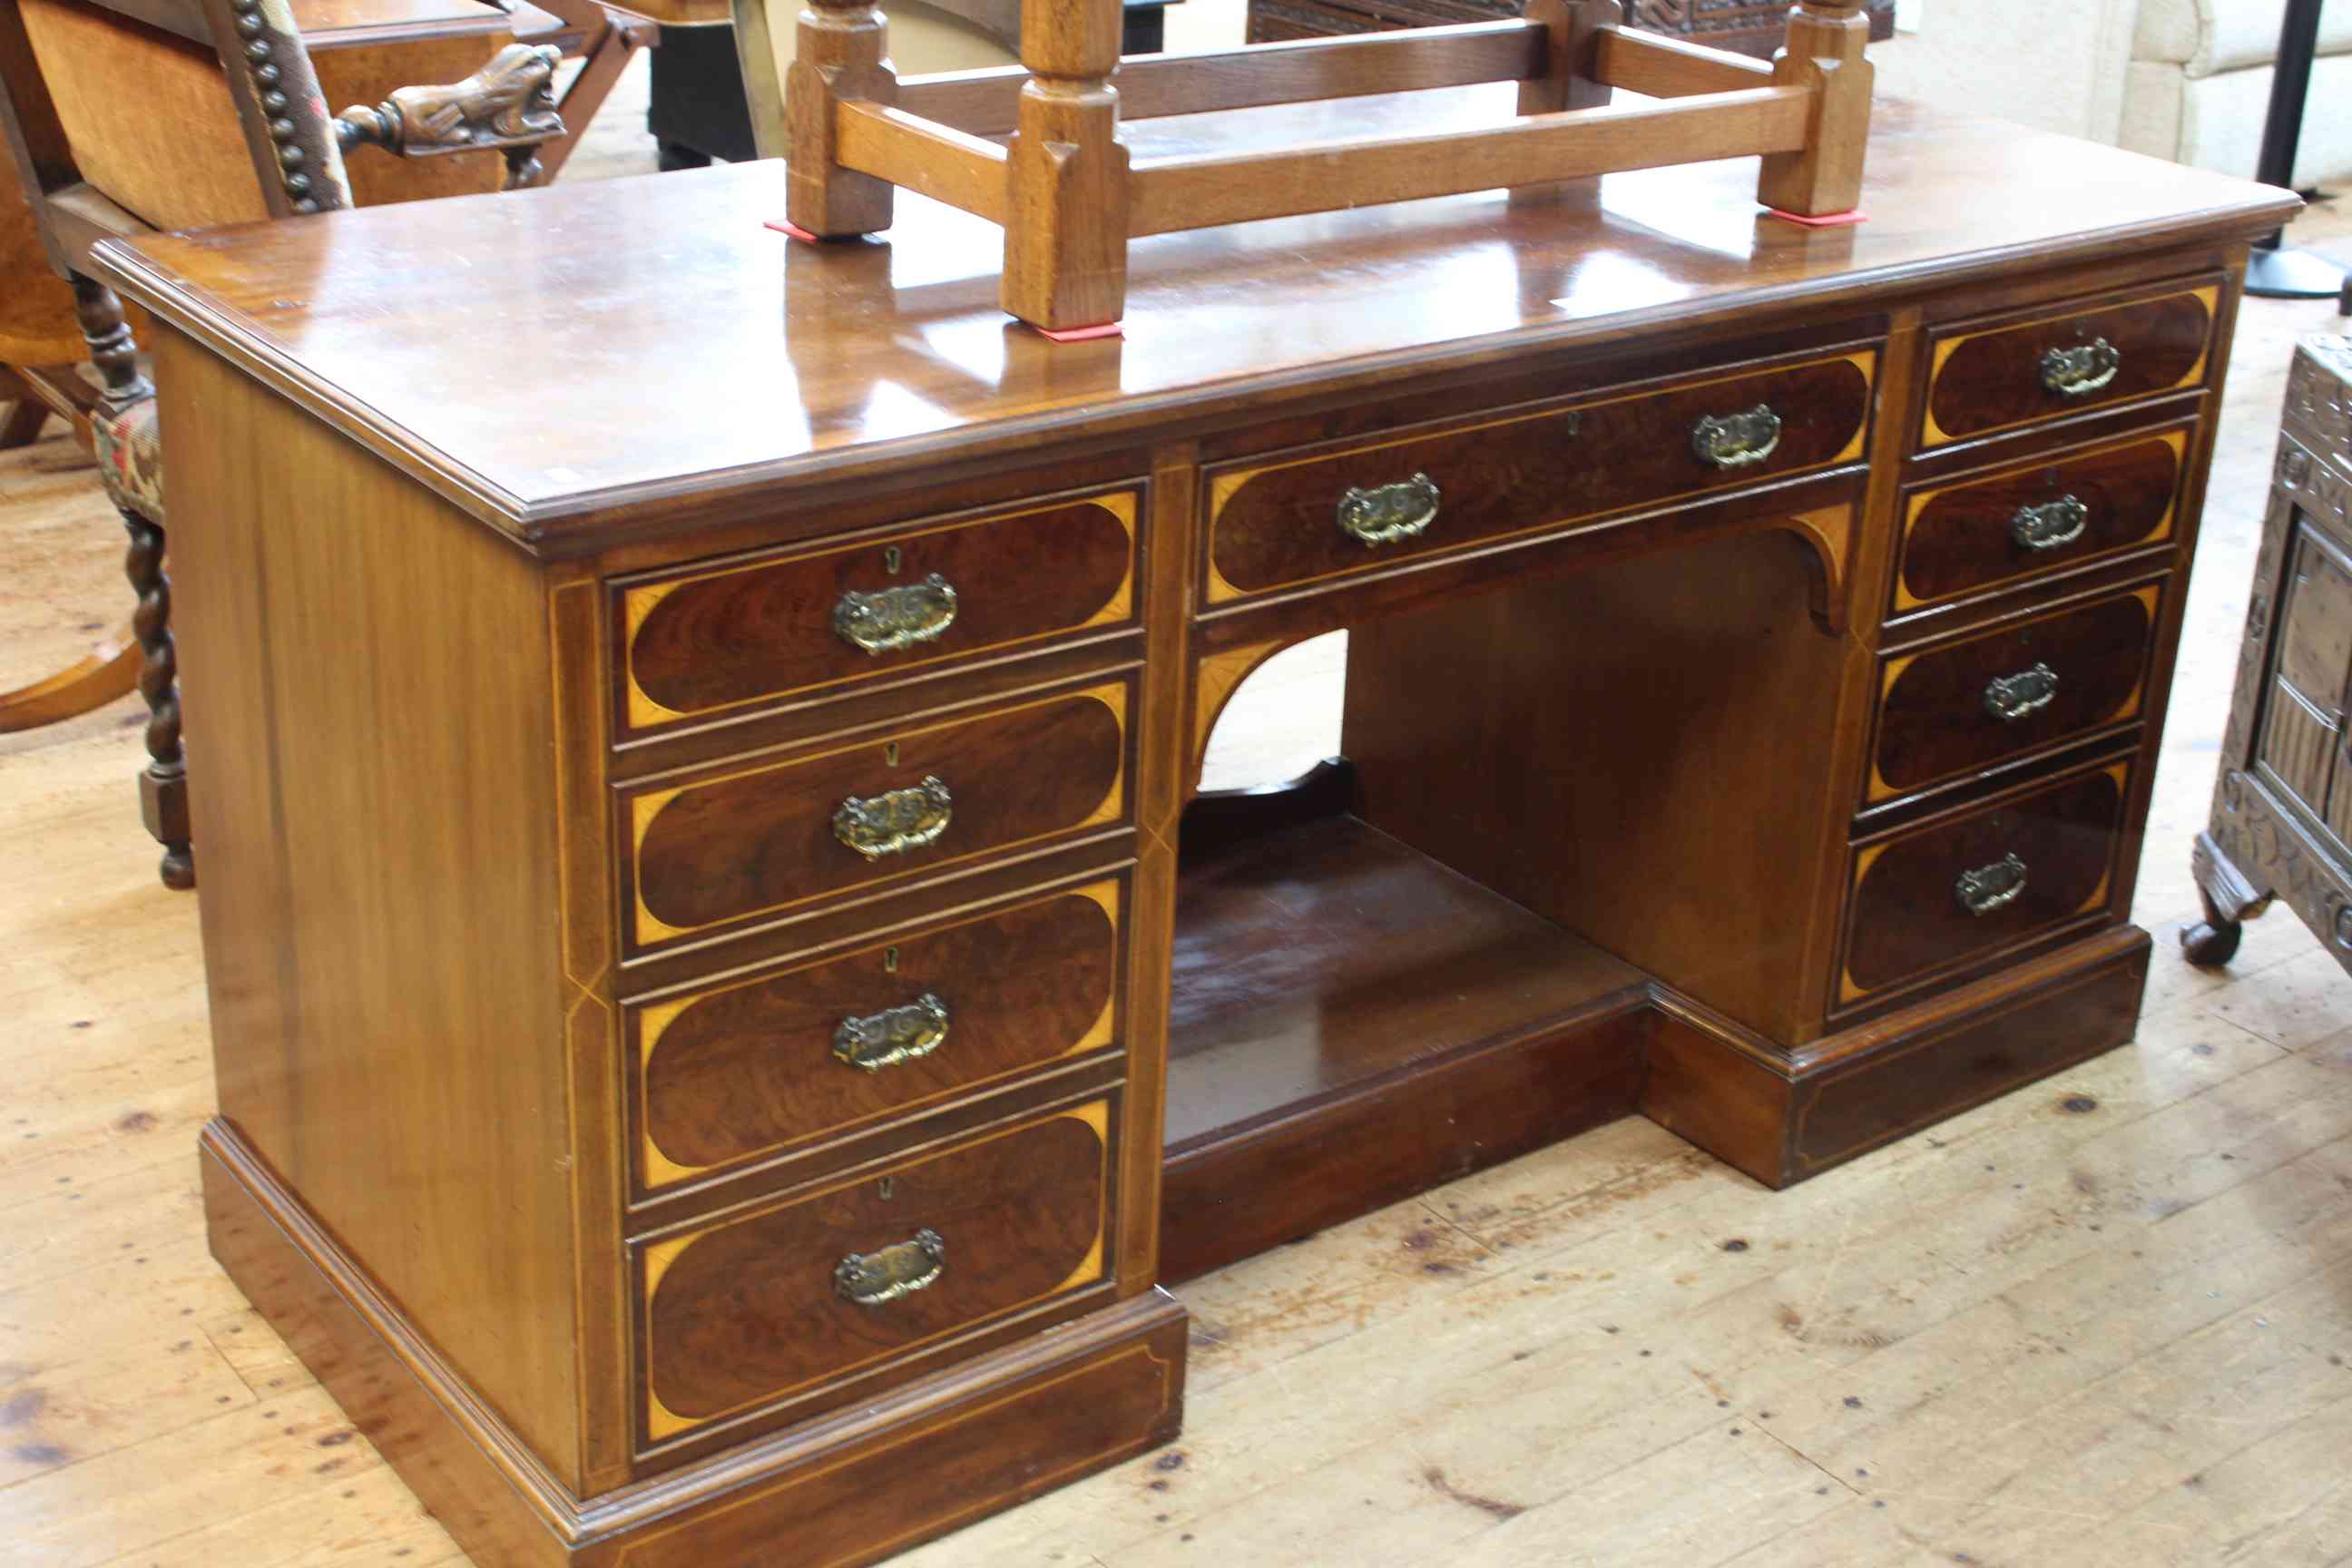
(728, 1011)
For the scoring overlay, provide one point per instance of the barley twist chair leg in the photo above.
(164, 783)
(130, 459)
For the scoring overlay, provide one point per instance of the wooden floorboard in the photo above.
(2105, 1321)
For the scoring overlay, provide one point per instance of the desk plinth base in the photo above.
(844, 1491)
(1779, 1118)
(1782, 1120)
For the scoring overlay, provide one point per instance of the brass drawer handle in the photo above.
(1990, 888)
(898, 1034)
(1386, 514)
(2010, 698)
(1738, 440)
(874, 1278)
(890, 619)
(2078, 371)
(894, 821)
(2053, 525)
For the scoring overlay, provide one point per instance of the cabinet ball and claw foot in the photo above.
(2282, 820)
(807, 1014)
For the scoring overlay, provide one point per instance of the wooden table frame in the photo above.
(1069, 199)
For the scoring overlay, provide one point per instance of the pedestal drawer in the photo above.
(775, 627)
(731, 1074)
(2044, 516)
(1968, 705)
(1280, 524)
(725, 848)
(763, 1305)
(1998, 376)
(1964, 887)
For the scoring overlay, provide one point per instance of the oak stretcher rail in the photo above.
(1069, 199)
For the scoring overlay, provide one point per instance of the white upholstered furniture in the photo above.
(2199, 86)
(2187, 80)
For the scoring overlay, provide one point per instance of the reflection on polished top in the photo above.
(563, 356)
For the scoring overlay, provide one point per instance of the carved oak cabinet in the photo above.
(2282, 822)
(728, 1003)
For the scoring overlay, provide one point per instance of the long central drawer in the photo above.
(1276, 523)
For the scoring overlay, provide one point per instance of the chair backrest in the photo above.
(37, 319)
(186, 115)
(126, 115)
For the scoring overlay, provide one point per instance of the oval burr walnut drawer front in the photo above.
(1996, 377)
(1968, 705)
(1277, 525)
(2044, 516)
(1966, 887)
(781, 625)
(762, 839)
(728, 1074)
(772, 1302)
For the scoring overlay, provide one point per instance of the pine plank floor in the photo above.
(2106, 1320)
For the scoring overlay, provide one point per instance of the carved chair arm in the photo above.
(508, 106)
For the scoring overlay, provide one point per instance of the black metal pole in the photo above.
(2274, 271)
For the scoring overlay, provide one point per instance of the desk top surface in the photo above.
(562, 361)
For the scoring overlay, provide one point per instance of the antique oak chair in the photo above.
(361, 50)
(145, 114)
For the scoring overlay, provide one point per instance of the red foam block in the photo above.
(785, 225)
(1082, 334)
(1830, 220)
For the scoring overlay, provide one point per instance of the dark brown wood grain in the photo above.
(1351, 1023)
(747, 1310)
(1934, 722)
(1992, 379)
(1093, 1397)
(904, 1466)
(1927, 1067)
(1961, 537)
(1223, 329)
(760, 839)
(1907, 918)
(1618, 760)
(752, 1068)
(732, 635)
(1279, 526)
(1319, 956)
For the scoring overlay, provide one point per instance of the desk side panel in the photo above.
(372, 746)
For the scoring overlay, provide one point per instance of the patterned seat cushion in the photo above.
(130, 459)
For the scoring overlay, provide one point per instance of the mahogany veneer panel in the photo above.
(729, 1073)
(1273, 523)
(747, 1310)
(719, 638)
(763, 838)
(1990, 380)
(1960, 538)
(1907, 917)
(1934, 721)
